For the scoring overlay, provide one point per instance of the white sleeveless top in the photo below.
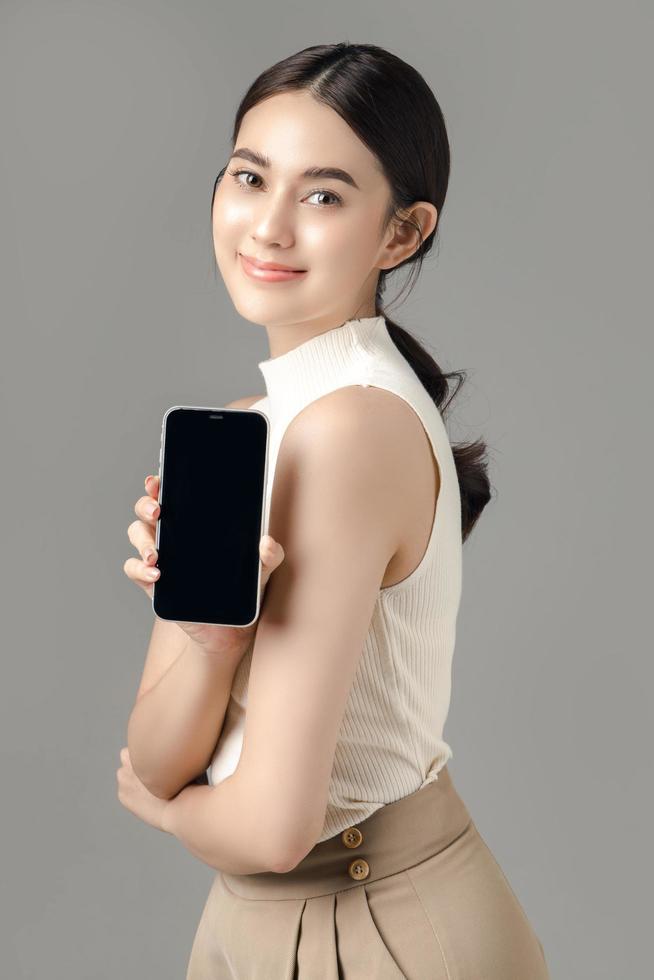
(390, 743)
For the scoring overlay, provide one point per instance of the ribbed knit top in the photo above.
(390, 742)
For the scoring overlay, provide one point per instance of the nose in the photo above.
(272, 223)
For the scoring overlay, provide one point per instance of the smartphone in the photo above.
(213, 468)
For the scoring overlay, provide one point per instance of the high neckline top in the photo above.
(295, 378)
(391, 740)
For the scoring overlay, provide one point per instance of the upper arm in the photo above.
(335, 511)
(167, 639)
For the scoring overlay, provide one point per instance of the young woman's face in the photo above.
(322, 225)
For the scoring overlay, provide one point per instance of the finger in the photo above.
(271, 552)
(152, 485)
(147, 509)
(272, 555)
(142, 536)
(139, 572)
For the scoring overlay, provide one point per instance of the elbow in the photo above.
(288, 857)
(138, 764)
(161, 794)
(297, 839)
(167, 790)
(275, 855)
(278, 853)
(156, 789)
(282, 863)
(283, 839)
(161, 791)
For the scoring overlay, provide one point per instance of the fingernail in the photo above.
(152, 573)
(148, 554)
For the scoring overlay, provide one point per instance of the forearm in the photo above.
(174, 727)
(226, 828)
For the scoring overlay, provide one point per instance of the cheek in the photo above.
(339, 247)
(230, 216)
(231, 221)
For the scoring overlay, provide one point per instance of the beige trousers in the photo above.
(411, 892)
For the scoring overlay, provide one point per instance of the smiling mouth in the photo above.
(267, 274)
(273, 266)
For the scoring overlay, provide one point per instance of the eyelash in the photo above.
(319, 190)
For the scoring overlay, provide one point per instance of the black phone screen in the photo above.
(212, 497)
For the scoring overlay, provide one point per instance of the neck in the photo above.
(285, 337)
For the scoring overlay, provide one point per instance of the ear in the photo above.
(404, 240)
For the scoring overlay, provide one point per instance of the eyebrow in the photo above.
(333, 173)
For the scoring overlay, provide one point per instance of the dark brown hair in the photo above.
(392, 110)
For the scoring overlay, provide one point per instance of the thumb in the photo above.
(271, 554)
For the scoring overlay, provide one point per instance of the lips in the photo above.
(274, 266)
(265, 274)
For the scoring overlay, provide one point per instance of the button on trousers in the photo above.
(411, 892)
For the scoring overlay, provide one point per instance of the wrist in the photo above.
(224, 652)
(181, 808)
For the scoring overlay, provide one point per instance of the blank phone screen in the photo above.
(212, 496)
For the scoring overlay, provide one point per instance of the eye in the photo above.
(329, 194)
(248, 186)
(236, 173)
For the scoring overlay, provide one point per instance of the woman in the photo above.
(341, 845)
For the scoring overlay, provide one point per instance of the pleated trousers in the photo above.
(411, 892)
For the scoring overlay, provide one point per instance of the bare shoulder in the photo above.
(365, 446)
(244, 402)
(382, 424)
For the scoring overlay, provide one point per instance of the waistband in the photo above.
(397, 836)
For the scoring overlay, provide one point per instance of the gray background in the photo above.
(115, 122)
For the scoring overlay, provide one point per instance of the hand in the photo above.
(221, 640)
(136, 797)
